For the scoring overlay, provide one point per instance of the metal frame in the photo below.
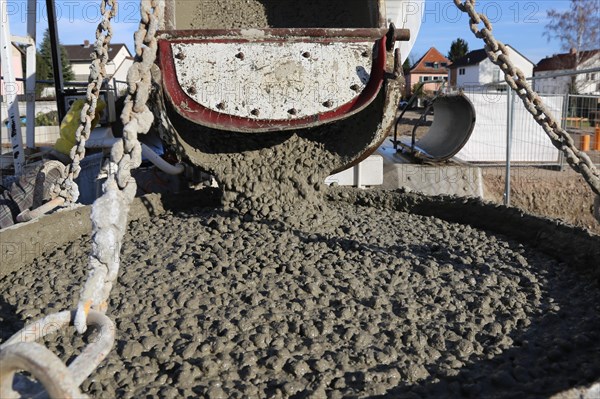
(56, 61)
(198, 113)
(14, 119)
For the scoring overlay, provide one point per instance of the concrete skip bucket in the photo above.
(240, 77)
(453, 122)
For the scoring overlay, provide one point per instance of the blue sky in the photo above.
(519, 23)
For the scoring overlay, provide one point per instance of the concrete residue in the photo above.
(230, 14)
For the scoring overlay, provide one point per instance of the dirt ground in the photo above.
(557, 194)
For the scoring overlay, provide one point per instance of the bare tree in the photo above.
(578, 30)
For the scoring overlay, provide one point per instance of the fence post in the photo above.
(509, 133)
(563, 124)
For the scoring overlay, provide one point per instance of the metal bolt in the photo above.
(328, 104)
(355, 87)
(255, 112)
(292, 111)
(240, 55)
(306, 54)
(180, 56)
(221, 105)
(191, 90)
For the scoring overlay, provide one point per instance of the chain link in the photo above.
(68, 188)
(109, 212)
(498, 54)
(109, 217)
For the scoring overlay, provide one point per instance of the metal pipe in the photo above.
(146, 152)
(509, 132)
(56, 61)
(564, 73)
(161, 163)
(31, 70)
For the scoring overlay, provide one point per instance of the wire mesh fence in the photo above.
(582, 121)
(522, 167)
(495, 113)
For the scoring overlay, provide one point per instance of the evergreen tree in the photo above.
(44, 61)
(459, 48)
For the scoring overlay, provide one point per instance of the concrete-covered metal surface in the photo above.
(254, 80)
(400, 171)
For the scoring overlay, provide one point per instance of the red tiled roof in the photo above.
(563, 61)
(432, 55)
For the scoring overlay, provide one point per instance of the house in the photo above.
(119, 60)
(18, 56)
(588, 83)
(476, 69)
(431, 69)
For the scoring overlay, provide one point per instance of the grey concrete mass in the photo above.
(367, 301)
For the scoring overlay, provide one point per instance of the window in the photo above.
(593, 76)
(461, 71)
(444, 64)
(429, 64)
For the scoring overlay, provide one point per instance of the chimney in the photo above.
(573, 51)
(86, 43)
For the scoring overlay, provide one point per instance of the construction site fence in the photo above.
(506, 133)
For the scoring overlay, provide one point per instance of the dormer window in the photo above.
(429, 64)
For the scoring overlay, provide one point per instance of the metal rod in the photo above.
(563, 125)
(509, 128)
(31, 70)
(564, 73)
(10, 92)
(56, 61)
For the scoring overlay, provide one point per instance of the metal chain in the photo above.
(68, 188)
(109, 218)
(498, 54)
(109, 212)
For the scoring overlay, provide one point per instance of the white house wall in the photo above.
(487, 68)
(470, 78)
(591, 85)
(483, 73)
(82, 69)
(557, 85)
(587, 83)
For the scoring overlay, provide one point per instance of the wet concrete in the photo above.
(375, 302)
(230, 14)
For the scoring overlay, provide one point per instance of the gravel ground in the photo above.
(370, 303)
